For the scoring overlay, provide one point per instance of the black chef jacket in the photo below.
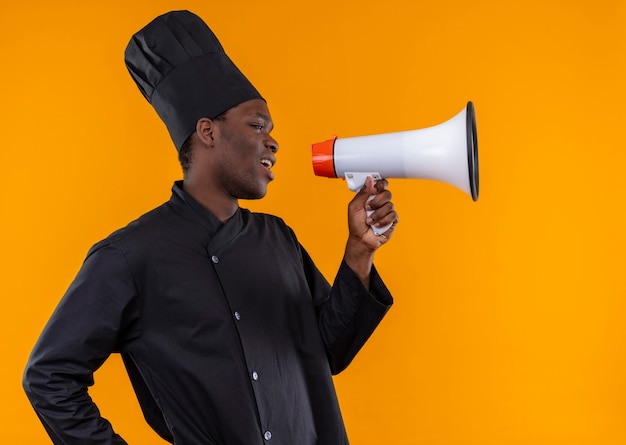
(228, 332)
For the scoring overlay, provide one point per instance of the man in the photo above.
(228, 332)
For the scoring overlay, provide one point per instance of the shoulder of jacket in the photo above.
(145, 223)
(266, 218)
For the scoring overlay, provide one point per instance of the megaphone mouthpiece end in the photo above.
(323, 161)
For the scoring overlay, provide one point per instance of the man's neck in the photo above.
(222, 207)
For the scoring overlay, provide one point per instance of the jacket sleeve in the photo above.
(94, 318)
(348, 313)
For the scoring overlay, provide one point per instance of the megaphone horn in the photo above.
(447, 152)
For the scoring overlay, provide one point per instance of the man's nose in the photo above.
(271, 143)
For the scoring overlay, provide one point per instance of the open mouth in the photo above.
(267, 163)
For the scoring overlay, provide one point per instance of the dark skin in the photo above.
(232, 160)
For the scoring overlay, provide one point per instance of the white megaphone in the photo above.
(447, 152)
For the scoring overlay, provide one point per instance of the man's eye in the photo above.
(258, 127)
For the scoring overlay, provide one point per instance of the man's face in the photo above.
(244, 150)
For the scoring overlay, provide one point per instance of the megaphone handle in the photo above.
(377, 230)
(356, 181)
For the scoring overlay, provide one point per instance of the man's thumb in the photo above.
(367, 190)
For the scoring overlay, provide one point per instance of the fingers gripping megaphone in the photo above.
(447, 152)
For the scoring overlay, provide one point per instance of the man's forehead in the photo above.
(264, 116)
(252, 109)
(255, 109)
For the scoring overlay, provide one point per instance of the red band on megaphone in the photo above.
(323, 163)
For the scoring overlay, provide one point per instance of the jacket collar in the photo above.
(219, 234)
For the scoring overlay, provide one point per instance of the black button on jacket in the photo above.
(228, 332)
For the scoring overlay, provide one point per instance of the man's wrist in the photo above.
(359, 257)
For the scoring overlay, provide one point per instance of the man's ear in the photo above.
(205, 128)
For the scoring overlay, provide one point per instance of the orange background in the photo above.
(508, 326)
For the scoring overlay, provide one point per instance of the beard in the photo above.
(244, 185)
